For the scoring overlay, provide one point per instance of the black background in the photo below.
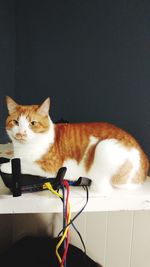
(91, 57)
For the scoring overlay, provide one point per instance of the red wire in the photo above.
(66, 184)
(66, 250)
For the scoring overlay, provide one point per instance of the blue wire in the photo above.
(64, 218)
(71, 182)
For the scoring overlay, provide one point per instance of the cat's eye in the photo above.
(15, 122)
(33, 123)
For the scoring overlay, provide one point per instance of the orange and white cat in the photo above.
(103, 152)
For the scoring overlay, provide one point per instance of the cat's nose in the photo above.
(21, 135)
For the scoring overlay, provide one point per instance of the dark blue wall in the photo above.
(91, 56)
(7, 59)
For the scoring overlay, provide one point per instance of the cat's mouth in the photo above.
(20, 139)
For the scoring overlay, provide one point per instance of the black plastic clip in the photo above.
(82, 181)
(59, 178)
(16, 177)
(4, 160)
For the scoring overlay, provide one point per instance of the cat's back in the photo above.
(100, 130)
(79, 135)
(98, 138)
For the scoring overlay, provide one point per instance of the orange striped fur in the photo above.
(72, 140)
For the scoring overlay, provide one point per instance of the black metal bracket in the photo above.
(16, 177)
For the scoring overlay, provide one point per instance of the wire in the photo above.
(49, 186)
(65, 252)
(74, 218)
(66, 229)
(87, 199)
(64, 221)
(68, 221)
(66, 184)
(64, 210)
(80, 236)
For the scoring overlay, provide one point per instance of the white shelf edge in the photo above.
(46, 202)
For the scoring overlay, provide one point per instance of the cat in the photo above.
(106, 154)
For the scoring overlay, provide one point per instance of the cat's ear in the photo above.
(11, 104)
(44, 107)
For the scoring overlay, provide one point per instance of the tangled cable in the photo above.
(67, 221)
(67, 217)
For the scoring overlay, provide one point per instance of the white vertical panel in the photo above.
(119, 238)
(141, 240)
(96, 229)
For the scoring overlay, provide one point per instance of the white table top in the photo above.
(45, 201)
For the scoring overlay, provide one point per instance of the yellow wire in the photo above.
(49, 186)
(63, 236)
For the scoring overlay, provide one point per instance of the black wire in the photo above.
(87, 198)
(74, 218)
(64, 218)
(80, 236)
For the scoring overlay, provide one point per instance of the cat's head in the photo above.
(25, 122)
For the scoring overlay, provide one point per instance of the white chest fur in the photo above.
(31, 151)
(36, 146)
(34, 150)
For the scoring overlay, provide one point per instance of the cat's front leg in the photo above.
(28, 167)
(6, 167)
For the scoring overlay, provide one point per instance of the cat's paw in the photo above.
(6, 167)
(104, 189)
